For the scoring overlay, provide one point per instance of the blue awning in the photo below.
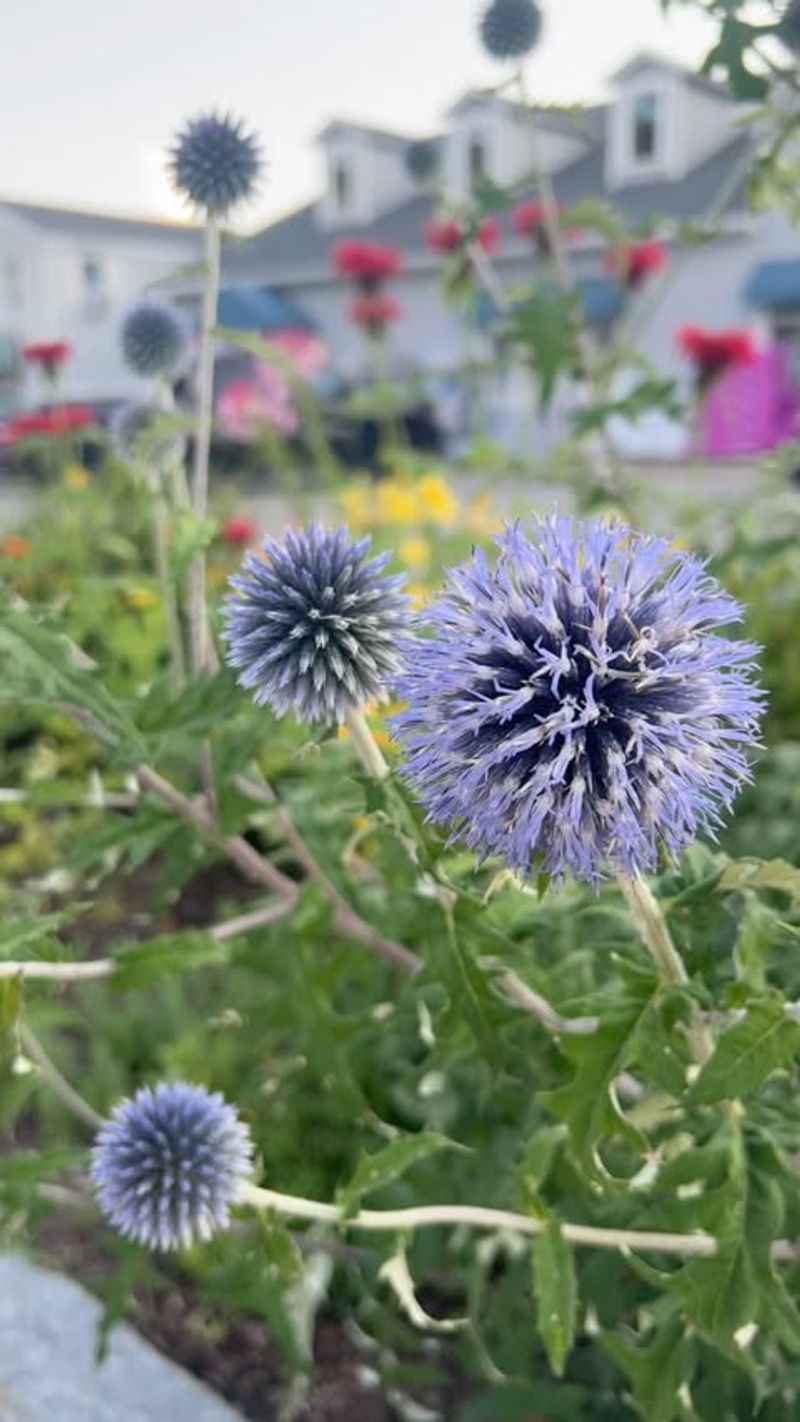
(252, 308)
(603, 300)
(774, 284)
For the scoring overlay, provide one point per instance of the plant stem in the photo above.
(51, 1074)
(699, 1245)
(198, 620)
(366, 746)
(654, 933)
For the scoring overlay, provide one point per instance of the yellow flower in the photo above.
(437, 502)
(415, 552)
(418, 594)
(357, 505)
(76, 477)
(141, 599)
(396, 503)
(480, 517)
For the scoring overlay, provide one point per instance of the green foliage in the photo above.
(545, 326)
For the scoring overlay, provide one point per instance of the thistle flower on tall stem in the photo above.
(576, 707)
(215, 164)
(312, 625)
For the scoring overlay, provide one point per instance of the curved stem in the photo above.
(654, 933)
(366, 746)
(700, 1245)
(67, 1094)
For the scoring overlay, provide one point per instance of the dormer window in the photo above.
(645, 128)
(341, 185)
(476, 164)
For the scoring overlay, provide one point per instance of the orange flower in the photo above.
(14, 546)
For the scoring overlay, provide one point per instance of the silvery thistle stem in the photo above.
(205, 395)
(365, 745)
(654, 933)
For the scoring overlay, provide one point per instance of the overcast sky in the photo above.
(92, 89)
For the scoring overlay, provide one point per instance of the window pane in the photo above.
(341, 185)
(645, 120)
(477, 163)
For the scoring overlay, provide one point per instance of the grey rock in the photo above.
(47, 1369)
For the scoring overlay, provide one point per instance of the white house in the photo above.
(68, 275)
(668, 150)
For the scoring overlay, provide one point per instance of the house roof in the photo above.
(385, 137)
(297, 244)
(648, 59)
(77, 223)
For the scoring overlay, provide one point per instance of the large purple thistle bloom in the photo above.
(312, 624)
(169, 1163)
(573, 705)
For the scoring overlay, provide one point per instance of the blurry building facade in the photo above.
(70, 275)
(668, 152)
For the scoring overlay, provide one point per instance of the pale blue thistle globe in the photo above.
(574, 706)
(215, 163)
(155, 338)
(312, 624)
(510, 29)
(168, 1165)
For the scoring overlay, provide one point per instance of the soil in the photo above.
(234, 1354)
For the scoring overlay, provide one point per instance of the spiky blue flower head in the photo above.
(422, 159)
(140, 430)
(155, 338)
(215, 163)
(312, 625)
(574, 706)
(510, 28)
(169, 1163)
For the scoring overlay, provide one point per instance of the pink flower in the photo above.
(375, 313)
(304, 352)
(447, 235)
(48, 355)
(46, 424)
(366, 263)
(245, 405)
(637, 260)
(714, 352)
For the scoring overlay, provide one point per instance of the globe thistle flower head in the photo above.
(142, 431)
(168, 1165)
(215, 163)
(510, 29)
(422, 160)
(312, 624)
(155, 338)
(574, 705)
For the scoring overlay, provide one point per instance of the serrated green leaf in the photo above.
(168, 955)
(586, 1103)
(41, 666)
(763, 1041)
(546, 328)
(555, 1289)
(24, 938)
(762, 874)
(756, 934)
(656, 1370)
(373, 1171)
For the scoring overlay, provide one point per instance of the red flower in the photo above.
(375, 313)
(44, 424)
(714, 352)
(528, 218)
(50, 355)
(636, 260)
(366, 263)
(447, 235)
(240, 531)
